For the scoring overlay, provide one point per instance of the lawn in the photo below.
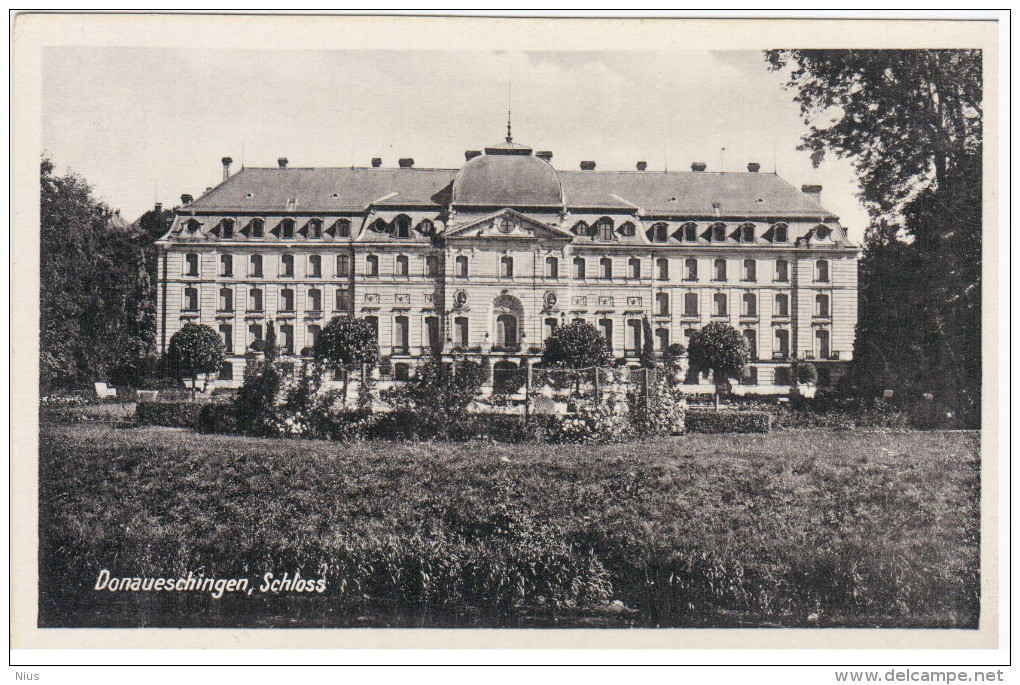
(796, 528)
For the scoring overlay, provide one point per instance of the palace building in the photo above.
(488, 259)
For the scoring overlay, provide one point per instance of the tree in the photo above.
(195, 349)
(440, 392)
(648, 358)
(911, 122)
(269, 346)
(576, 345)
(721, 349)
(807, 373)
(347, 342)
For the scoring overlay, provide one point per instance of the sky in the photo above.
(147, 124)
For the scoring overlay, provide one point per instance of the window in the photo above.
(719, 304)
(431, 265)
(750, 270)
(634, 268)
(226, 300)
(258, 228)
(227, 230)
(749, 305)
(661, 339)
(191, 264)
(580, 228)
(633, 336)
(506, 266)
(343, 228)
(255, 265)
(506, 330)
(782, 305)
(822, 271)
(425, 227)
(782, 376)
(660, 232)
(401, 332)
(690, 304)
(747, 233)
(552, 267)
(286, 339)
(579, 267)
(822, 305)
(194, 225)
(822, 343)
(752, 342)
(312, 338)
(690, 232)
(782, 348)
(627, 229)
(690, 269)
(461, 266)
(662, 269)
(226, 372)
(254, 334)
(662, 304)
(402, 371)
(604, 229)
(286, 300)
(372, 265)
(402, 226)
(343, 265)
(190, 300)
(314, 228)
(606, 328)
(720, 269)
(782, 270)
(401, 267)
(314, 303)
(780, 233)
(343, 300)
(287, 265)
(718, 233)
(287, 229)
(314, 266)
(578, 319)
(255, 300)
(373, 321)
(226, 265)
(461, 330)
(227, 335)
(605, 267)
(549, 326)
(432, 332)
(752, 376)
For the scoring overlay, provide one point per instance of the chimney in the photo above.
(376, 162)
(544, 155)
(227, 161)
(282, 161)
(471, 154)
(186, 199)
(641, 166)
(753, 167)
(588, 166)
(698, 166)
(406, 162)
(813, 191)
(717, 207)
(159, 207)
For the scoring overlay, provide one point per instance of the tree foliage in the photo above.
(346, 343)
(440, 392)
(576, 345)
(911, 123)
(721, 349)
(194, 349)
(648, 358)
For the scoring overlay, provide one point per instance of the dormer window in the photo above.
(660, 232)
(580, 228)
(690, 232)
(227, 228)
(822, 231)
(402, 226)
(426, 227)
(315, 228)
(604, 229)
(343, 228)
(747, 233)
(193, 225)
(780, 233)
(287, 229)
(378, 226)
(719, 233)
(627, 229)
(258, 228)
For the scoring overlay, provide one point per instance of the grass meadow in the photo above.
(793, 528)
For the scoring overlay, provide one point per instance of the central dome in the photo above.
(507, 175)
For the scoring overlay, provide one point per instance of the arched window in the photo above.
(605, 267)
(506, 330)
(747, 233)
(749, 305)
(634, 268)
(227, 229)
(426, 227)
(312, 338)
(343, 265)
(780, 233)
(633, 333)
(314, 266)
(402, 226)
(343, 300)
(258, 228)
(462, 331)
(690, 269)
(662, 304)
(782, 270)
(720, 269)
(822, 271)
(255, 265)
(750, 270)
(431, 265)
(342, 228)
(782, 305)
(226, 300)
(401, 334)
(580, 228)
(719, 304)
(287, 229)
(461, 266)
(286, 339)
(372, 265)
(191, 264)
(662, 269)
(690, 304)
(718, 232)
(660, 232)
(549, 326)
(690, 232)
(431, 331)
(821, 305)
(255, 300)
(402, 265)
(661, 339)
(314, 303)
(373, 321)
(193, 225)
(782, 348)
(822, 343)
(227, 335)
(552, 267)
(190, 300)
(506, 266)
(604, 229)
(627, 229)
(752, 342)
(315, 228)
(579, 268)
(379, 226)
(226, 265)
(606, 328)
(286, 300)
(287, 265)
(254, 334)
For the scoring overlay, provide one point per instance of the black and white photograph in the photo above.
(621, 337)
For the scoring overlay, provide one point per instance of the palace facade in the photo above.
(488, 259)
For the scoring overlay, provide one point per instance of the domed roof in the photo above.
(507, 175)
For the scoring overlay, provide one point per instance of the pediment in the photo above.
(508, 224)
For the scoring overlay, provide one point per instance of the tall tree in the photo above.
(721, 349)
(911, 123)
(346, 343)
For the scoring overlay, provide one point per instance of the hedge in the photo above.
(171, 414)
(706, 421)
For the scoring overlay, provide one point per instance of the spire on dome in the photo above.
(509, 135)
